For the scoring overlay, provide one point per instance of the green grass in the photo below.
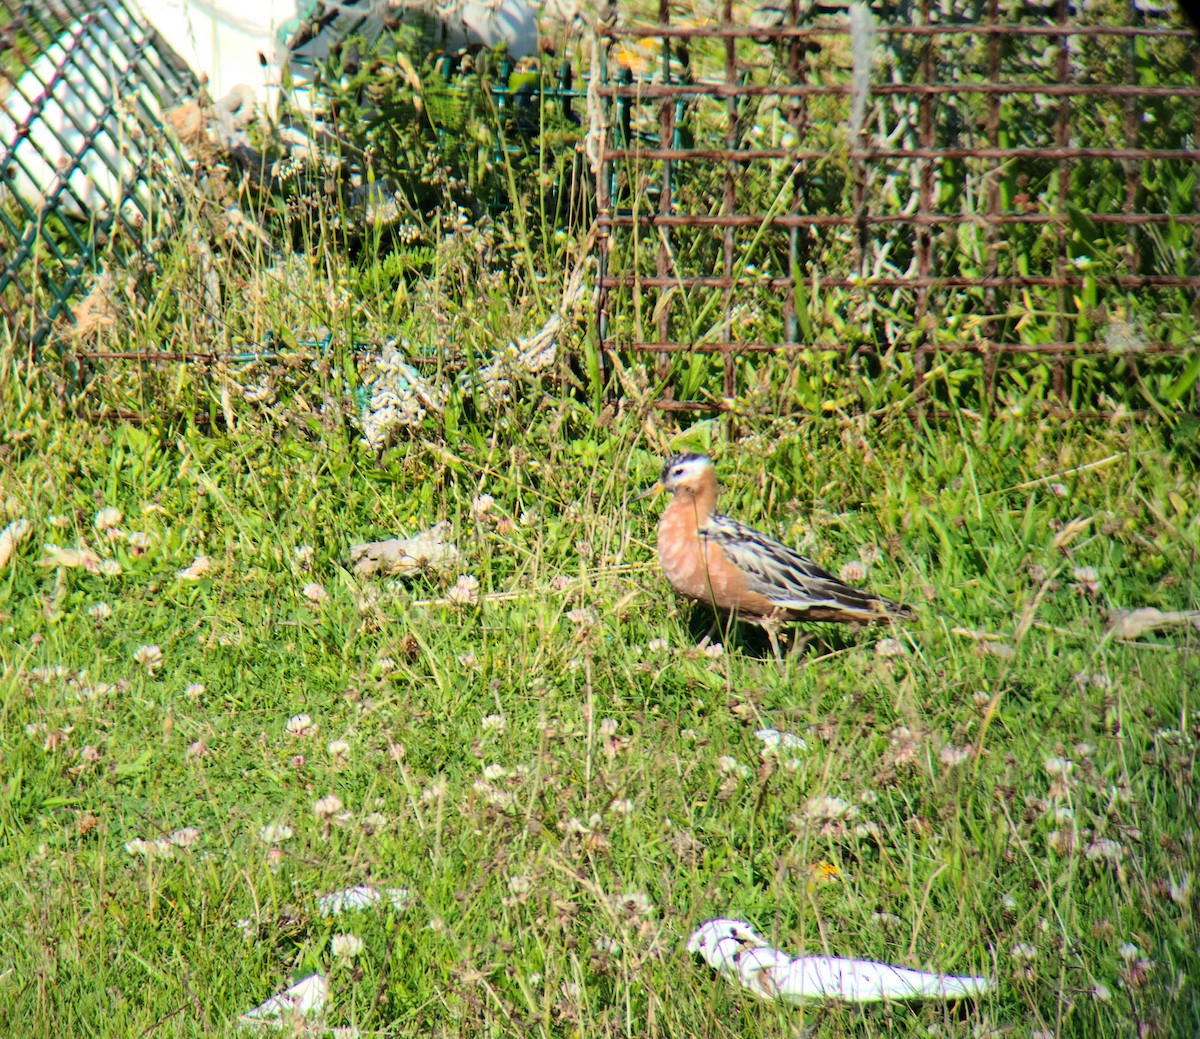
(515, 910)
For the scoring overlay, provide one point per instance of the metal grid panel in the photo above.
(82, 91)
(925, 160)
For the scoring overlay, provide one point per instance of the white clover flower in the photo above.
(185, 837)
(303, 555)
(1086, 574)
(492, 773)
(194, 690)
(1105, 850)
(715, 651)
(107, 519)
(886, 648)
(315, 592)
(825, 808)
(150, 657)
(139, 542)
(1100, 993)
(100, 612)
(582, 617)
(327, 807)
(275, 833)
(633, 903)
(1181, 891)
(519, 884)
(853, 572)
(482, 504)
(953, 756)
(658, 646)
(496, 723)
(621, 806)
(109, 568)
(386, 665)
(608, 727)
(1129, 952)
(1059, 766)
(465, 590)
(339, 750)
(1023, 952)
(466, 660)
(300, 725)
(345, 946)
(61, 522)
(373, 822)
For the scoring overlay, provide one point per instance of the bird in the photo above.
(710, 558)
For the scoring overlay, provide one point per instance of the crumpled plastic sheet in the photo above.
(734, 950)
(306, 998)
(364, 896)
(403, 557)
(399, 397)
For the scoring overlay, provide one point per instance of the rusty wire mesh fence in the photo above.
(999, 201)
(85, 166)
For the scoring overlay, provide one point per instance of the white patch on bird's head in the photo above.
(686, 472)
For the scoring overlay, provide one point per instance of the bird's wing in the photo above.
(785, 577)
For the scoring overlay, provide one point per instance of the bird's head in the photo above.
(685, 474)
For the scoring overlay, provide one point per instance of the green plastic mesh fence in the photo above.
(84, 162)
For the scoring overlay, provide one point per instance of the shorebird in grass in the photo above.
(736, 570)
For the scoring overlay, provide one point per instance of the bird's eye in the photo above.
(677, 471)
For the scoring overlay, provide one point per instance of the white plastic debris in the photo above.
(403, 557)
(400, 397)
(781, 746)
(776, 740)
(250, 43)
(303, 999)
(362, 897)
(49, 126)
(732, 948)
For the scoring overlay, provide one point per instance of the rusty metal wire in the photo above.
(978, 178)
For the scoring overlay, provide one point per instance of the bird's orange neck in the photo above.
(692, 506)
